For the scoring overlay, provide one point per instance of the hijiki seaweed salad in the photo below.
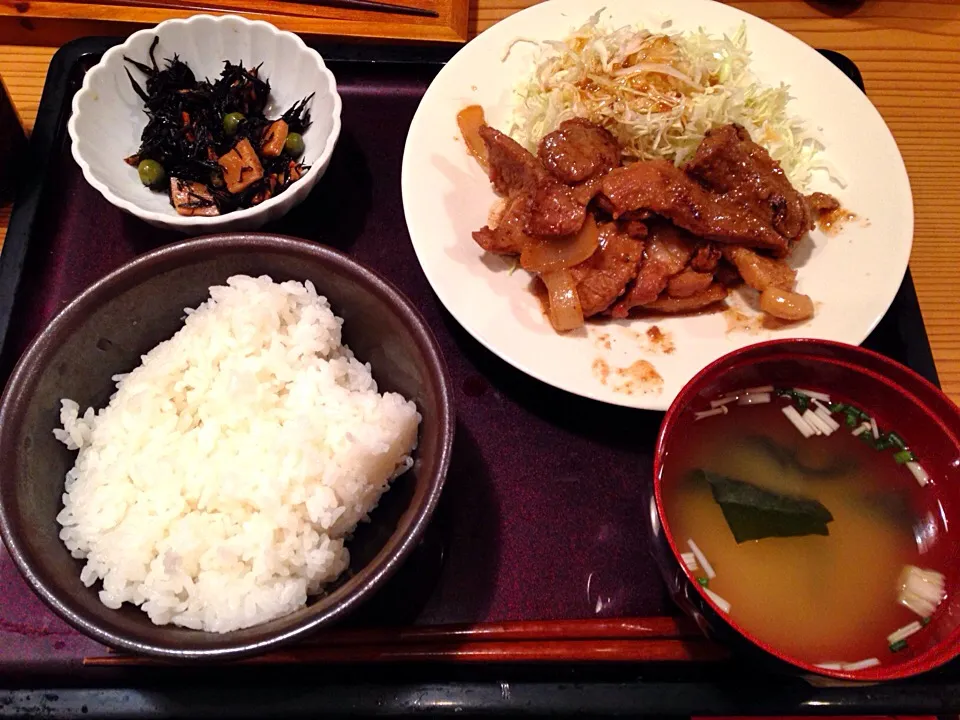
(209, 144)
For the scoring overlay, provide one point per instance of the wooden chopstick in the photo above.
(613, 628)
(373, 6)
(616, 650)
(213, 6)
(656, 639)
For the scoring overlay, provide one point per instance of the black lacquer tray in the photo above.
(514, 603)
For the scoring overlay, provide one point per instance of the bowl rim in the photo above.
(946, 649)
(380, 568)
(198, 222)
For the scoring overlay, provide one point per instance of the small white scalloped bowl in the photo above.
(108, 116)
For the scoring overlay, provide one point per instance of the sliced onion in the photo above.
(660, 69)
(549, 254)
(470, 120)
(564, 302)
(785, 304)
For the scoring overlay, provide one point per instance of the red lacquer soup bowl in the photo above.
(898, 399)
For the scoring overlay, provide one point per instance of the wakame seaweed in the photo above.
(185, 130)
(754, 513)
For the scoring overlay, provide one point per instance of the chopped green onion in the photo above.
(798, 422)
(862, 665)
(925, 621)
(722, 410)
(817, 422)
(896, 440)
(904, 456)
(918, 472)
(812, 394)
(898, 646)
(720, 602)
(903, 633)
(702, 559)
(830, 666)
(704, 582)
(859, 421)
(723, 401)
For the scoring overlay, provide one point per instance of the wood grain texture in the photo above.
(909, 53)
(35, 21)
(23, 71)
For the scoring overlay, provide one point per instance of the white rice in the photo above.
(218, 486)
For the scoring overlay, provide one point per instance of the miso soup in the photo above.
(820, 544)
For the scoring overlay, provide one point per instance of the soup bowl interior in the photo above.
(899, 400)
(120, 318)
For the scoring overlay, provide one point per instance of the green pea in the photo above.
(294, 144)
(151, 173)
(231, 121)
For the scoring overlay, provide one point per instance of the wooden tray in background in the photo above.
(56, 22)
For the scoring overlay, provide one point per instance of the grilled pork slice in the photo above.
(512, 168)
(730, 163)
(706, 258)
(507, 236)
(820, 203)
(578, 150)
(666, 304)
(586, 191)
(662, 188)
(688, 283)
(667, 252)
(554, 209)
(603, 277)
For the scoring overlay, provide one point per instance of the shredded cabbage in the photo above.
(659, 94)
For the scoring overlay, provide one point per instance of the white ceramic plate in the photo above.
(853, 276)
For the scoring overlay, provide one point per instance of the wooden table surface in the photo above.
(909, 53)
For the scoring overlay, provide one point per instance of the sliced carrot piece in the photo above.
(274, 138)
